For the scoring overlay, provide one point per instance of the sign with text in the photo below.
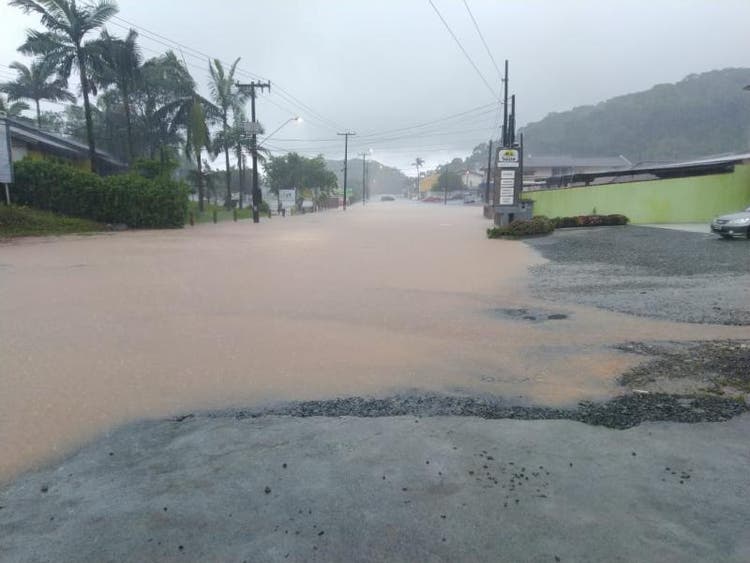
(507, 158)
(288, 198)
(507, 176)
(6, 161)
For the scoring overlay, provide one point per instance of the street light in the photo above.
(296, 119)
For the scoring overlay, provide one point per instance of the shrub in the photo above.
(590, 221)
(539, 225)
(124, 198)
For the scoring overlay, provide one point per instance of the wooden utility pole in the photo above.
(489, 175)
(346, 136)
(505, 106)
(257, 196)
(364, 177)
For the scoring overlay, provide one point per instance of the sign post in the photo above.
(6, 159)
(508, 185)
(288, 198)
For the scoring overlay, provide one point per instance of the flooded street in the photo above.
(99, 330)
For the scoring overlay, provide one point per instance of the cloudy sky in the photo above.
(384, 69)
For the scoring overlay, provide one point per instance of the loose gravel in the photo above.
(621, 412)
(719, 367)
(674, 275)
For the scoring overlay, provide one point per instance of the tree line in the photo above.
(133, 108)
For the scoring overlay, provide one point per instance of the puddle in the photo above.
(532, 315)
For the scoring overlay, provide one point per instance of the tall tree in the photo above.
(418, 163)
(295, 171)
(164, 79)
(227, 97)
(63, 44)
(192, 114)
(37, 83)
(117, 62)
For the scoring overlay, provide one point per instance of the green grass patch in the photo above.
(222, 213)
(18, 221)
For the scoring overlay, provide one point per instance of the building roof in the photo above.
(705, 165)
(555, 161)
(57, 143)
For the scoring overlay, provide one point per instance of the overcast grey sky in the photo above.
(373, 67)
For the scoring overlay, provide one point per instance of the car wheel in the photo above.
(727, 237)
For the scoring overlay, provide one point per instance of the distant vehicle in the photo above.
(387, 198)
(470, 198)
(733, 225)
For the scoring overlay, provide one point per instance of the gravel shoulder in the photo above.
(673, 275)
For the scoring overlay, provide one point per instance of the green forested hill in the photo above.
(702, 114)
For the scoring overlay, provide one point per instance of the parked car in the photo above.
(387, 198)
(733, 225)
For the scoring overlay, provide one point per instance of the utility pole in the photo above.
(364, 177)
(512, 123)
(505, 106)
(257, 196)
(346, 136)
(489, 175)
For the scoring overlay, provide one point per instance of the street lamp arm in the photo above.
(279, 128)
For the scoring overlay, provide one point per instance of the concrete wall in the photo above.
(678, 200)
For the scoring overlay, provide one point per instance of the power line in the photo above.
(479, 31)
(197, 53)
(426, 123)
(466, 54)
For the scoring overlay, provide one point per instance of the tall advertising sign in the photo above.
(508, 177)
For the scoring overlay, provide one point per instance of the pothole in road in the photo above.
(529, 315)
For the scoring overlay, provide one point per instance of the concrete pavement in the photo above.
(388, 489)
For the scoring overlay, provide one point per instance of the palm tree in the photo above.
(118, 62)
(193, 114)
(163, 80)
(13, 109)
(227, 97)
(68, 23)
(418, 163)
(34, 84)
(238, 140)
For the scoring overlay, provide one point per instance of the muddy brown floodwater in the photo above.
(99, 330)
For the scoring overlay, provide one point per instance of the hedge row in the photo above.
(590, 221)
(539, 225)
(125, 198)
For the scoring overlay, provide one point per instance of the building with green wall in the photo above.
(690, 192)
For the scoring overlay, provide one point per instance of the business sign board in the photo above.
(508, 176)
(6, 161)
(508, 158)
(288, 198)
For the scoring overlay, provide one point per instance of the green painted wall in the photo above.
(678, 200)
